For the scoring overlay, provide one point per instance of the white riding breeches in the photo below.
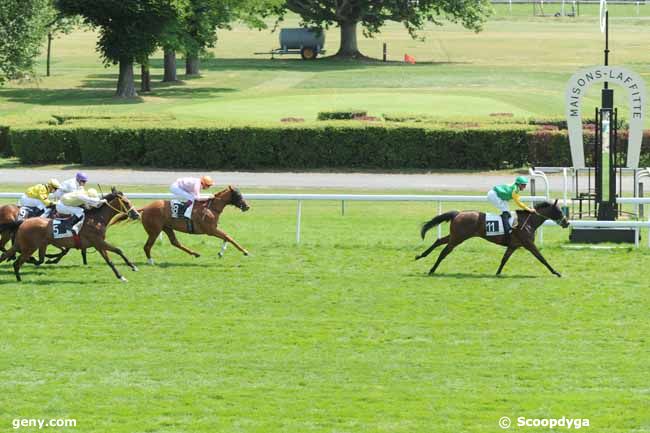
(69, 210)
(493, 198)
(181, 194)
(31, 202)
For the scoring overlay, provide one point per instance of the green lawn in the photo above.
(519, 64)
(343, 333)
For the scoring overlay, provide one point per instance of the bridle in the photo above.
(123, 207)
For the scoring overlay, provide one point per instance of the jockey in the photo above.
(189, 189)
(76, 183)
(500, 195)
(37, 196)
(73, 203)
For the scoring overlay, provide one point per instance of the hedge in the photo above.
(5, 146)
(306, 146)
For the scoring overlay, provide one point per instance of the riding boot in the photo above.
(188, 211)
(505, 217)
(77, 223)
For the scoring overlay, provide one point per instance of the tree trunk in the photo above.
(125, 82)
(145, 76)
(170, 66)
(349, 47)
(49, 53)
(192, 64)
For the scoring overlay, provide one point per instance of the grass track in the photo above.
(344, 333)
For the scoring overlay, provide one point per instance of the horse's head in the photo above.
(236, 198)
(552, 212)
(121, 204)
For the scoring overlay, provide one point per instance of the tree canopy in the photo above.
(373, 14)
(22, 31)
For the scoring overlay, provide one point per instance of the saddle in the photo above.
(62, 227)
(494, 224)
(177, 208)
(26, 212)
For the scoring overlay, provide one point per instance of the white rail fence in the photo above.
(437, 199)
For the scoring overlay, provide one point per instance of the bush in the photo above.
(45, 145)
(340, 145)
(5, 145)
(341, 114)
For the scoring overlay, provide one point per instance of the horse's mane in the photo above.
(543, 205)
(108, 198)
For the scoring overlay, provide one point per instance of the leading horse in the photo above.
(469, 224)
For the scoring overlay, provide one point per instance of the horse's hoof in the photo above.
(150, 261)
(124, 280)
(558, 275)
(135, 268)
(418, 257)
(220, 255)
(197, 255)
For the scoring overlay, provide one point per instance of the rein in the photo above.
(119, 211)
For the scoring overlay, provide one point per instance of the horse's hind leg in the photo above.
(435, 245)
(21, 260)
(172, 238)
(505, 258)
(83, 257)
(444, 253)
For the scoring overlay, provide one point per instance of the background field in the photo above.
(344, 333)
(519, 64)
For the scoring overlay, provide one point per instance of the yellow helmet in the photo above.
(206, 181)
(92, 192)
(53, 184)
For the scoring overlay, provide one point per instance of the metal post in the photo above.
(385, 51)
(636, 237)
(342, 207)
(298, 218)
(640, 206)
(439, 225)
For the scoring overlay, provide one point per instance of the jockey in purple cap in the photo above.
(75, 184)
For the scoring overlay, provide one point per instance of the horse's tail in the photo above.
(122, 217)
(447, 216)
(11, 226)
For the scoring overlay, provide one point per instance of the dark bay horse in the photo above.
(36, 234)
(469, 224)
(156, 217)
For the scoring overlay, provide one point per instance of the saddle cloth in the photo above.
(494, 224)
(177, 208)
(26, 212)
(62, 228)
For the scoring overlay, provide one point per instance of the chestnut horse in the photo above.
(36, 234)
(156, 217)
(469, 224)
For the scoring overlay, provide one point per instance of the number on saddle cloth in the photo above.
(494, 224)
(178, 208)
(62, 228)
(29, 212)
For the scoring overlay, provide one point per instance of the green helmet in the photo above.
(521, 180)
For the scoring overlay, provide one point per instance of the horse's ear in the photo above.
(113, 190)
(230, 187)
(555, 203)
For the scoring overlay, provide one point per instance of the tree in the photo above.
(129, 31)
(56, 23)
(22, 31)
(372, 14)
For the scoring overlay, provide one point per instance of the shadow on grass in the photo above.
(295, 64)
(463, 275)
(66, 97)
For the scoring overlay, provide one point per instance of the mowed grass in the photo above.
(342, 333)
(520, 64)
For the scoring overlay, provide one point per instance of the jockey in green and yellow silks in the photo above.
(500, 195)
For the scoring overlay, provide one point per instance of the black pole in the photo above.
(385, 50)
(606, 42)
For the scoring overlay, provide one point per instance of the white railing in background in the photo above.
(439, 199)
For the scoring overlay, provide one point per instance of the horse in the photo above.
(8, 225)
(468, 224)
(156, 217)
(36, 234)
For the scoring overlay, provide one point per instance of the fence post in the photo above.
(342, 207)
(439, 225)
(298, 218)
(640, 205)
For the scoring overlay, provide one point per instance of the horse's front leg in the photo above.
(534, 251)
(104, 254)
(108, 247)
(224, 236)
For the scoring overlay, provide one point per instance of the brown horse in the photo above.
(156, 217)
(469, 224)
(8, 215)
(36, 234)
